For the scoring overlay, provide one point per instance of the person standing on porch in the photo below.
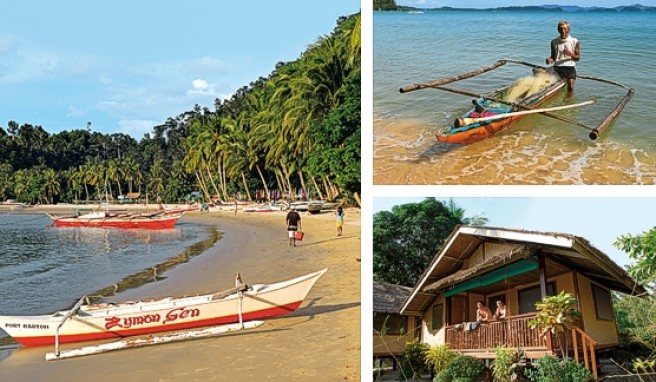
(293, 221)
(483, 313)
(502, 311)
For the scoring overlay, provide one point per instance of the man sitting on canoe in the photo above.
(564, 55)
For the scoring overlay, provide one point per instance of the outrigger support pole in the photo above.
(75, 308)
(445, 81)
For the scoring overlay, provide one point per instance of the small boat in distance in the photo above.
(12, 205)
(89, 322)
(265, 208)
(122, 220)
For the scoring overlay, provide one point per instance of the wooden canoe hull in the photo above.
(106, 321)
(135, 222)
(477, 132)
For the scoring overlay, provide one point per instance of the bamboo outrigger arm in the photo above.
(469, 121)
(445, 81)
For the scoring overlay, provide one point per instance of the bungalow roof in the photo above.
(571, 250)
(389, 298)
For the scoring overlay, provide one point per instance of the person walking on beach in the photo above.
(565, 52)
(339, 214)
(293, 221)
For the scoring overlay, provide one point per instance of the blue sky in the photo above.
(505, 3)
(127, 65)
(600, 220)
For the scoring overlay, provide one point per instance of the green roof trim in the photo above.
(510, 270)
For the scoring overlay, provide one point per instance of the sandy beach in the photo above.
(320, 341)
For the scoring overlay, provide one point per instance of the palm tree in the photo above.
(131, 171)
(156, 181)
(51, 185)
(114, 172)
(459, 214)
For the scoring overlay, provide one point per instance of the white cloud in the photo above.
(136, 128)
(199, 85)
(75, 112)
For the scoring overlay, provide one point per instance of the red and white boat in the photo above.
(107, 219)
(87, 322)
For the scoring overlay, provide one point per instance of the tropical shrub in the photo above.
(501, 366)
(465, 368)
(412, 361)
(439, 357)
(550, 369)
(556, 314)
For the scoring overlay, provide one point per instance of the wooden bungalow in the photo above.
(519, 268)
(391, 329)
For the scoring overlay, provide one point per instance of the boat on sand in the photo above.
(96, 321)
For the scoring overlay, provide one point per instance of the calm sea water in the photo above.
(44, 268)
(418, 48)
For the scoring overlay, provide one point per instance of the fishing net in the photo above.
(529, 85)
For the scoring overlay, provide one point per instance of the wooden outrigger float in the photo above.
(495, 112)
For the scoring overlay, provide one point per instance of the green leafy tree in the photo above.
(642, 250)
(407, 238)
(636, 316)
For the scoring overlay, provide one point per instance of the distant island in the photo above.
(390, 5)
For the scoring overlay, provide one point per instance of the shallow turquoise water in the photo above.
(417, 48)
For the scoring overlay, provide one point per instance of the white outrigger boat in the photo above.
(87, 321)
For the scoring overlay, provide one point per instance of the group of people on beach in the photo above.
(293, 222)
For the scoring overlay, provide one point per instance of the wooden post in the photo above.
(542, 271)
(452, 79)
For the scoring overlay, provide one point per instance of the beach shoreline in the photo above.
(320, 339)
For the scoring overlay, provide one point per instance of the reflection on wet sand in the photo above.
(531, 152)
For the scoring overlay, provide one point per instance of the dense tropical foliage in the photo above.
(636, 316)
(298, 128)
(407, 238)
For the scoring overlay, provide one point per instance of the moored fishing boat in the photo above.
(106, 219)
(499, 110)
(473, 125)
(87, 322)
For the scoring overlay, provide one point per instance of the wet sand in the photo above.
(532, 152)
(320, 341)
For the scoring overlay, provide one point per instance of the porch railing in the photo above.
(513, 332)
